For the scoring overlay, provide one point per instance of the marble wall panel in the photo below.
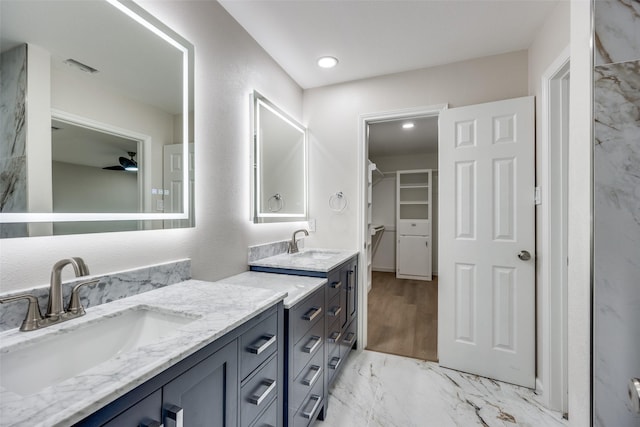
(13, 161)
(617, 31)
(616, 339)
(112, 286)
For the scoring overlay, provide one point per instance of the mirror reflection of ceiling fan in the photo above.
(125, 164)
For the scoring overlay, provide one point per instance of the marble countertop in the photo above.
(320, 260)
(219, 307)
(297, 287)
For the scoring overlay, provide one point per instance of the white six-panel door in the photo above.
(486, 292)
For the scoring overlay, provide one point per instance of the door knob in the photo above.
(524, 255)
(634, 394)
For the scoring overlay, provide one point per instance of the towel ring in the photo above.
(275, 203)
(337, 202)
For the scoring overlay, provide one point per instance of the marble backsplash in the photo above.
(616, 157)
(269, 249)
(112, 286)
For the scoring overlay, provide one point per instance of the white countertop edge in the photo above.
(296, 262)
(297, 287)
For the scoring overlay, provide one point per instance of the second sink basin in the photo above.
(65, 353)
(316, 254)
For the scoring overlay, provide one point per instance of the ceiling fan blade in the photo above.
(127, 163)
(114, 168)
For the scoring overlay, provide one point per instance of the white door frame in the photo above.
(363, 153)
(553, 309)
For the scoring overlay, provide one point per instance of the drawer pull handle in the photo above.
(312, 314)
(350, 338)
(334, 337)
(310, 349)
(335, 362)
(335, 311)
(173, 416)
(269, 386)
(311, 381)
(336, 285)
(309, 414)
(262, 344)
(147, 422)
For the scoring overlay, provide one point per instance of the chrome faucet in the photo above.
(293, 245)
(55, 311)
(55, 306)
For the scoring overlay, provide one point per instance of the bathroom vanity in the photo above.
(321, 327)
(194, 350)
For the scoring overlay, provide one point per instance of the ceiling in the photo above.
(97, 34)
(390, 139)
(83, 146)
(372, 38)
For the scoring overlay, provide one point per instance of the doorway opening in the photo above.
(400, 281)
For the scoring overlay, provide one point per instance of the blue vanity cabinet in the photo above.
(305, 350)
(338, 300)
(235, 381)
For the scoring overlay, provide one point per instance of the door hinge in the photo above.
(537, 197)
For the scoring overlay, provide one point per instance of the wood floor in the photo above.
(403, 316)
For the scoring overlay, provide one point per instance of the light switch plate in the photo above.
(312, 225)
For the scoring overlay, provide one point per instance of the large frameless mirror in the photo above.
(279, 164)
(97, 119)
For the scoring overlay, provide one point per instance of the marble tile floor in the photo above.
(383, 390)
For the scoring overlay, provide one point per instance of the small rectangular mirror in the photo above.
(279, 164)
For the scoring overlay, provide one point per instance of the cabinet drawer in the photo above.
(257, 344)
(414, 228)
(334, 284)
(306, 380)
(348, 339)
(258, 392)
(308, 411)
(336, 309)
(306, 348)
(334, 363)
(269, 418)
(306, 314)
(334, 336)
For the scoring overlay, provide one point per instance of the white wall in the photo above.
(332, 112)
(550, 42)
(229, 65)
(580, 202)
(384, 206)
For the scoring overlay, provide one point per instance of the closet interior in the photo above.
(403, 255)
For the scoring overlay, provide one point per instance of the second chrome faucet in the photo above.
(55, 307)
(293, 244)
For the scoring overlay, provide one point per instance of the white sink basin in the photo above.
(53, 358)
(316, 254)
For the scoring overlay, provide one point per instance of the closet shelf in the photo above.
(421, 185)
(415, 202)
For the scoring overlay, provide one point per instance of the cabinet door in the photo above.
(207, 393)
(352, 290)
(414, 256)
(148, 409)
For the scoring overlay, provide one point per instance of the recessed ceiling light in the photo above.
(407, 125)
(327, 62)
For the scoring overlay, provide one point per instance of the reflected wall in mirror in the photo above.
(279, 164)
(108, 86)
